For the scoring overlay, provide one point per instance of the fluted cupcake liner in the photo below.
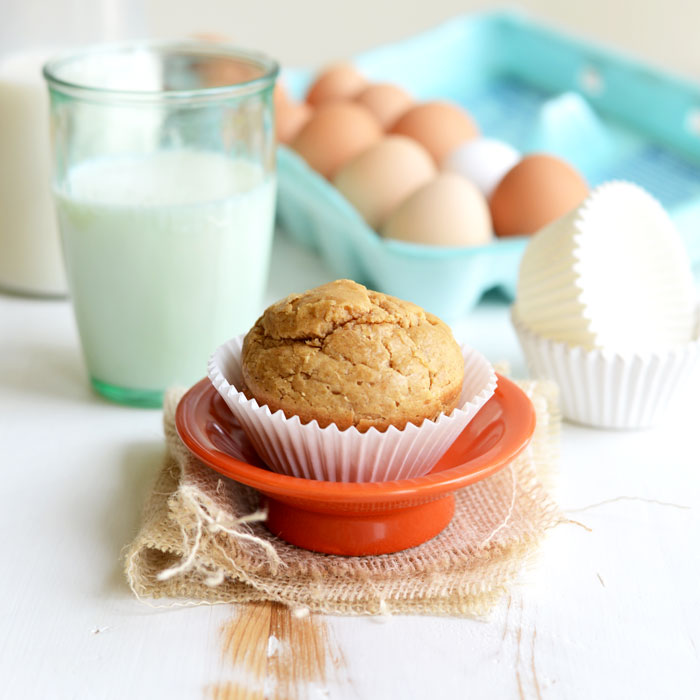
(290, 447)
(608, 390)
(613, 274)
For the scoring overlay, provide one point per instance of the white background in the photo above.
(312, 32)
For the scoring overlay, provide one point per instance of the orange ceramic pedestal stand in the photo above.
(359, 518)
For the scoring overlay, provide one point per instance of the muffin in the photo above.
(336, 384)
(346, 355)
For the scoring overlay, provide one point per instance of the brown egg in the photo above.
(290, 118)
(386, 101)
(214, 37)
(335, 134)
(439, 126)
(383, 176)
(448, 211)
(280, 96)
(339, 82)
(536, 191)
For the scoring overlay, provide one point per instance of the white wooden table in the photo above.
(608, 612)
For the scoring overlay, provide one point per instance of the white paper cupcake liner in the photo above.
(608, 390)
(329, 454)
(611, 274)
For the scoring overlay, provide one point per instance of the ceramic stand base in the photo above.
(359, 532)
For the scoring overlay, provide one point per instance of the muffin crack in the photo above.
(364, 320)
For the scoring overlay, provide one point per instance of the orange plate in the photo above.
(358, 518)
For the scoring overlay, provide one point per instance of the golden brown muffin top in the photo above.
(343, 354)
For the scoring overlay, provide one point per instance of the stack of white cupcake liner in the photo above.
(606, 308)
(608, 390)
(612, 273)
(308, 451)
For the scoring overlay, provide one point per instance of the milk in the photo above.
(30, 255)
(167, 258)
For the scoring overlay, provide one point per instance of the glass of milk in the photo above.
(31, 31)
(164, 183)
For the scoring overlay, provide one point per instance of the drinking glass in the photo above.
(164, 183)
(31, 31)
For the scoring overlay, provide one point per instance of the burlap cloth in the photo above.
(201, 540)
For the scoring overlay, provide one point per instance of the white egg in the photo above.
(448, 211)
(483, 161)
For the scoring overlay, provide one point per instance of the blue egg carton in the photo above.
(612, 117)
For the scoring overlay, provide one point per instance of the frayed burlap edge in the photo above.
(202, 540)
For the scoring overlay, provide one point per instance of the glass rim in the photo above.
(269, 68)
